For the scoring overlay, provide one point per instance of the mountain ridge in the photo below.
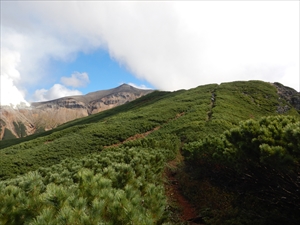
(49, 114)
(92, 96)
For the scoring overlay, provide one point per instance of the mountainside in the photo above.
(47, 115)
(214, 154)
(289, 95)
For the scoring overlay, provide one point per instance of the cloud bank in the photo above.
(76, 80)
(10, 93)
(56, 91)
(172, 45)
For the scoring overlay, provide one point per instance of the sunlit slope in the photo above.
(187, 114)
(221, 107)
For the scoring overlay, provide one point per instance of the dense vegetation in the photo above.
(20, 129)
(258, 164)
(240, 167)
(117, 186)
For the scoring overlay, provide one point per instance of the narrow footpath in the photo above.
(187, 212)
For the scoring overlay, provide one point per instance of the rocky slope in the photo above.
(291, 96)
(17, 122)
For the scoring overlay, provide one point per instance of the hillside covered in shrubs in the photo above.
(229, 150)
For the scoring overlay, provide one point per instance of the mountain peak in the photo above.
(128, 87)
(125, 85)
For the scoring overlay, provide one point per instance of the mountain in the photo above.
(47, 115)
(289, 95)
(216, 154)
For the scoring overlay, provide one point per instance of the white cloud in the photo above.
(290, 77)
(76, 80)
(57, 91)
(10, 94)
(142, 86)
(9, 62)
(172, 45)
(27, 46)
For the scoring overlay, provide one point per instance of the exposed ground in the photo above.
(186, 212)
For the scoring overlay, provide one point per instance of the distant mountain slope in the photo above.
(47, 115)
(95, 101)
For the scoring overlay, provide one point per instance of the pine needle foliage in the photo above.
(122, 187)
(259, 160)
(75, 174)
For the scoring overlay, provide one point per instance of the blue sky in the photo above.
(103, 71)
(82, 73)
(52, 49)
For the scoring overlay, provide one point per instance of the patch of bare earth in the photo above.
(142, 135)
(187, 212)
(134, 137)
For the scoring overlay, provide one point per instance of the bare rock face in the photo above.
(291, 96)
(111, 101)
(15, 122)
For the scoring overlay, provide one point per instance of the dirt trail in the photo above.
(142, 135)
(188, 211)
(134, 137)
(212, 104)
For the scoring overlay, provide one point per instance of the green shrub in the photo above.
(259, 158)
(119, 186)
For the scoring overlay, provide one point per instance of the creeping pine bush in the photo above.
(259, 161)
(119, 186)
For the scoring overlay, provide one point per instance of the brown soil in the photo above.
(139, 136)
(188, 212)
(134, 137)
(174, 193)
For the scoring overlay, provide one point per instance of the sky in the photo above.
(52, 49)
